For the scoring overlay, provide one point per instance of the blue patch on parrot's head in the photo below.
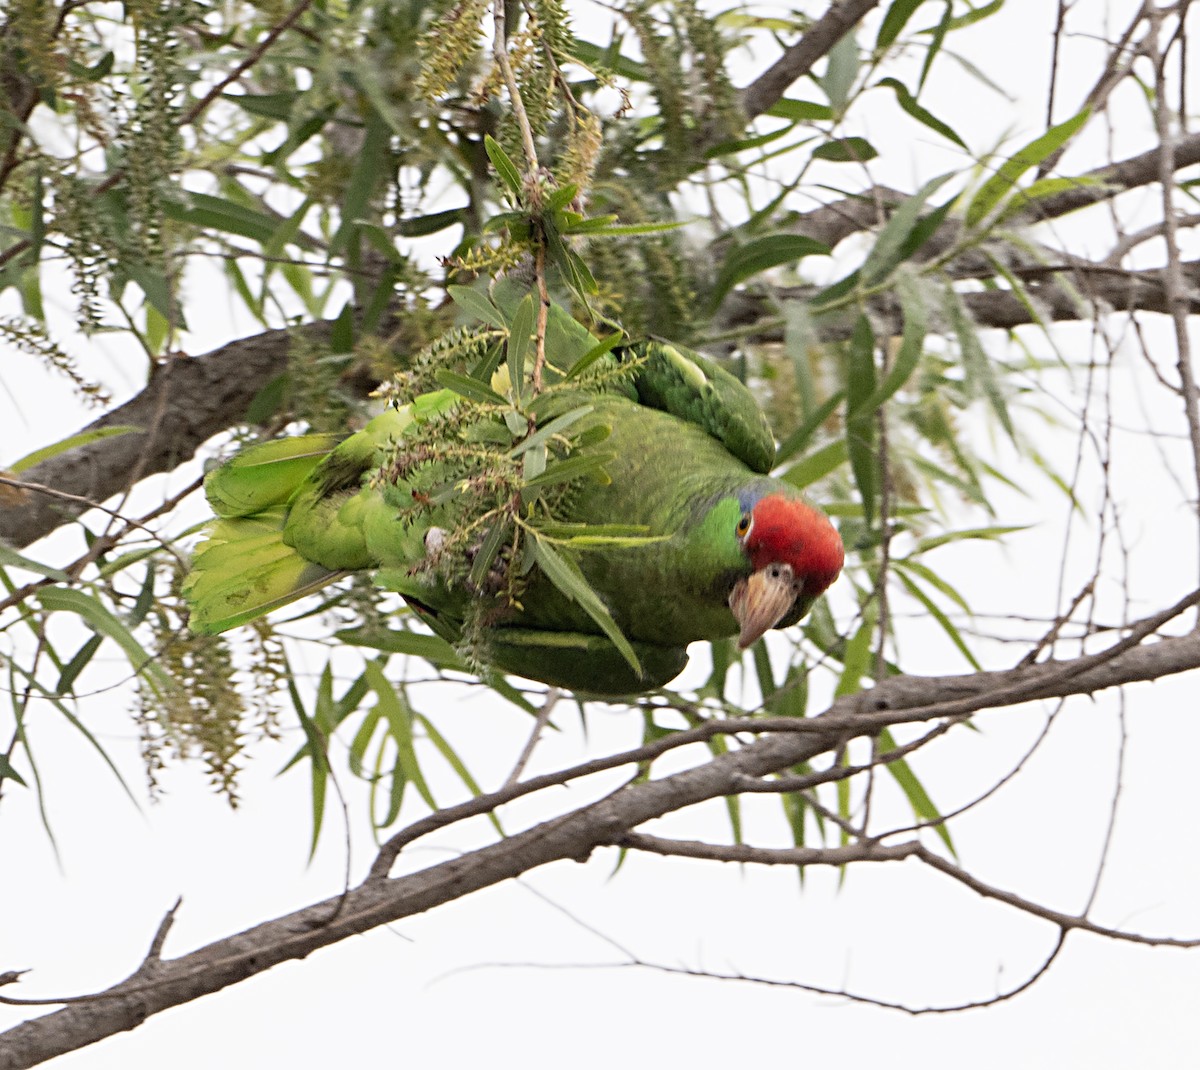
(752, 493)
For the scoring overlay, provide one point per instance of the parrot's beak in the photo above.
(761, 601)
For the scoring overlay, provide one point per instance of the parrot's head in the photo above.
(795, 553)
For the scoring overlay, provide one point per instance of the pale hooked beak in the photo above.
(761, 601)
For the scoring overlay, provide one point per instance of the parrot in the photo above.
(582, 536)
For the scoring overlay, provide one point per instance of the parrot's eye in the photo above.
(743, 525)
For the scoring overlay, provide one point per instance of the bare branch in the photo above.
(188, 400)
(798, 60)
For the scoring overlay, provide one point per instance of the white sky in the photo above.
(408, 995)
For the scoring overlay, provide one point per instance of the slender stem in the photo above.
(500, 51)
(1172, 276)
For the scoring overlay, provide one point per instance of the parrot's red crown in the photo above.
(790, 531)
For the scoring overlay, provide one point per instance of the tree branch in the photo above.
(380, 899)
(188, 400)
(799, 59)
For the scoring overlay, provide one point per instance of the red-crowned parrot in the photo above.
(582, 537)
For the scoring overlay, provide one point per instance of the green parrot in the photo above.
(582, 537)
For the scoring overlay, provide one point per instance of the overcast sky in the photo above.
(485, 982)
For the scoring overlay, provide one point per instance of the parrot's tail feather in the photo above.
(266, 474)
(244, 570)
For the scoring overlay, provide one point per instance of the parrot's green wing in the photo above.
(671, 378)
(689, 385)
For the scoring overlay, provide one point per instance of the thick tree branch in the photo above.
(166, 983)
(188, 400)
(1094, 289)
(798, 60)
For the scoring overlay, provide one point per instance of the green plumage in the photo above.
(572, 581)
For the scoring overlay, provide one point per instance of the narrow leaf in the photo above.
(817, 465)
(918, 798)
(476, 304)
(846, 150)
(760, 254)
(94, 614)
(518, 344)
(471, 389)
(565, 575)
(1007, 174)
(860, 420)
(894, 21)
(399, 716)
(506, 170)
(909, 103)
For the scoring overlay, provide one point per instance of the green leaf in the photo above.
(978, 368)
(471, 389)
(995, 531)
(918, 798)
(745, 144)
(423, 225)
(840, 70)
(566, 576)
(77, 664)
(268, 105)
(799, 438)
(476, 304)
(943, 621)
(455, 762)
(506, 170)
(799, 111)
(856, 659)
(415, 644)
(399, 716)
(555, 427)
(9, 558)
(156, 288)
(912, 342)
(369, 171)
(1007, 174)
(600, 349)
(845, 150)
(894, 21)
(599, 228)
(518, 344)
(860, 420)
(497, 535)
(8, 772)
(817, 465)
(552, 529)
(760, 254)
(95, 615)
(362, 740)
(208, 212)
(571, 468)
(909, 103)
(895, 239)
(976, 15)
(318, 764)
(935, 581)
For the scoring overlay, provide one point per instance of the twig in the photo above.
(543, 718)
(1173, 282)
